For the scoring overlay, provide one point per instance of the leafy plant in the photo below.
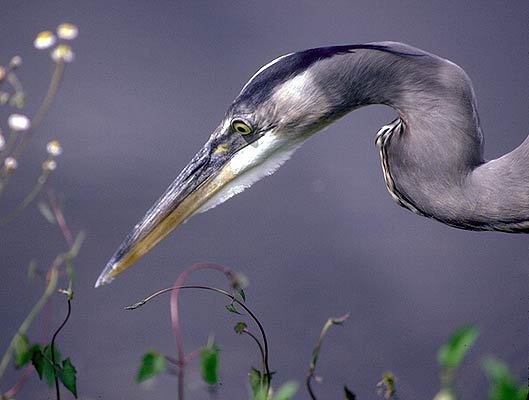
(152, 364)
(46, 359)
(316, 354)
(451, 355)
(209, 363)
(503, 385)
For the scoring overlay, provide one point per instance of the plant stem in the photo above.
(261, 350)
(56, 378)
(175, 319)
(223, 292)
(17, 386)
(316, 352)
(22, 330)
(28, 199)
(61, 221)
(39, 115)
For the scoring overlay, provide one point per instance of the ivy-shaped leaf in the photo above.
(68, 376)
(209, 364)
(42, 361)
(152, 364)
(451, 354)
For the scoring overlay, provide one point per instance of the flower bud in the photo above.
(18, 122)
(54, 148)
(67, 31)
(49, 165)
(62, 53)
(10, 164)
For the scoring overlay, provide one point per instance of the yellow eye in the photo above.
(241, 127)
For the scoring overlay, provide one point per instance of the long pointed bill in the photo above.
(225, 166)
(198, 182)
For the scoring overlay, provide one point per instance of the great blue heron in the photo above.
(431, 155)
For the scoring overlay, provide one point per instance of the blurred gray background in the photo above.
(321, 237)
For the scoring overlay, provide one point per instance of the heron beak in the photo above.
(204, 176)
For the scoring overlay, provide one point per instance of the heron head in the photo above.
(276, 111)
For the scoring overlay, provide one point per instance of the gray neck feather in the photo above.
(437, 163)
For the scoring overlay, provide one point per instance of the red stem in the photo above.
(17, 386)
(61, 221)
(175, 318)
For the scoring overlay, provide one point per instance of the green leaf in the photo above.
(67, 375)
(259, 383)
(57, 353)
(502, 384)
(152, 364)
(451, 354)
(286, 391)
(22, 350)
(240, 327)
(41, 360)
(231, 308)
(240, 292)
(209, 364)
(50, 369)
(261, 394)
(523, 393)
(348, 394)
(255, 380)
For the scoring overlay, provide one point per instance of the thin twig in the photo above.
(55, 377)
(17, 386)
(175, 320)
(316, 352)
(43, 109)
(61, 221)
(22, 330)
(223, 292)
(28, 199)
(39, 116)
(261, 350)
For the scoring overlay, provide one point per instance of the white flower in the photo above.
(67, 31)
(10, 163)
(49, 165)
(63, 53)
(2, 142)
(44, 40)
(18, 122)
(54, 148)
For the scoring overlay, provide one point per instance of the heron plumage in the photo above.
(431, 155)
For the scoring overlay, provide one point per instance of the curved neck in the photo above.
(437, 160)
